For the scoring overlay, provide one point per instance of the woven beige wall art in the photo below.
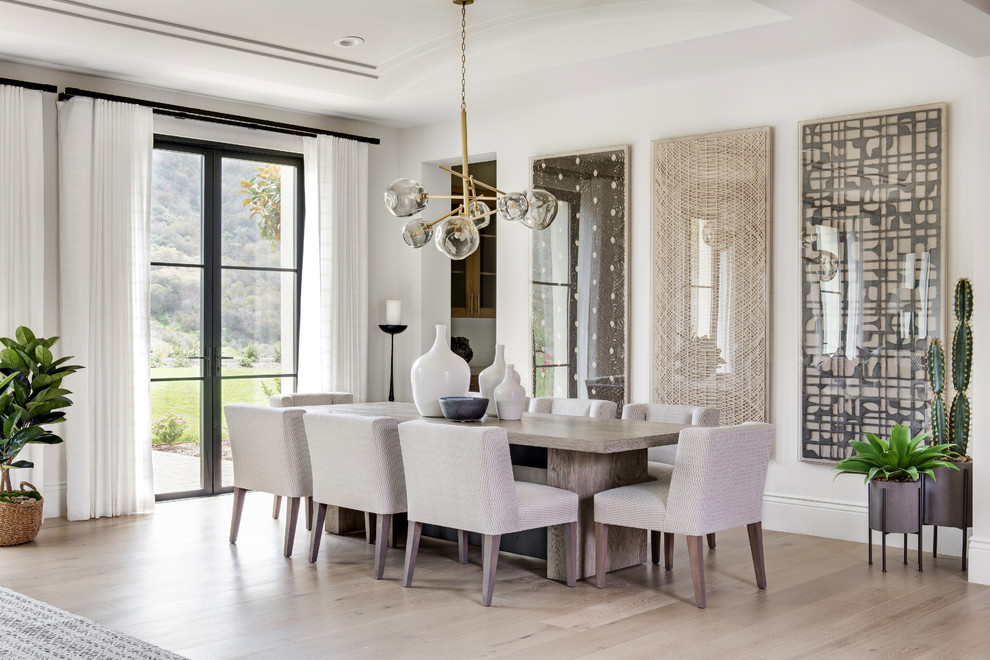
(711, 272)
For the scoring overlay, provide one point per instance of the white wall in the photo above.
(801, 497)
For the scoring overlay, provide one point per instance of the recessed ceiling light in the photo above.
(349, 42)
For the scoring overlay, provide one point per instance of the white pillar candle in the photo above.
(393, 312)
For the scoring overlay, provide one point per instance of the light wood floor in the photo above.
(173, 579)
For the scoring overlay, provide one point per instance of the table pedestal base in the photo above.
(586, 474)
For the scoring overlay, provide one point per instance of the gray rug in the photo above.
(30, 629)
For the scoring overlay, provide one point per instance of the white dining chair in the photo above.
(305, 399)
(717, 483)
(270, 454)
(660, 460)
(357, 464)
(461, 477)
(574, 407)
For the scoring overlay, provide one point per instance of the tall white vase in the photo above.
(510, 396)
(436, 373)
(491, 377)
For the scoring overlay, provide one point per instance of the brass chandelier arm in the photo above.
(442, 218)
(481, 197)
(480, 183)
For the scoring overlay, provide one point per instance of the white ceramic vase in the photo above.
(436, 373)
(491, 377)
(510, 396)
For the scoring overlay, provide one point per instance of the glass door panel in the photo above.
(223, 302)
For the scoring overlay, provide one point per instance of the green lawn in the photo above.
(184, 396)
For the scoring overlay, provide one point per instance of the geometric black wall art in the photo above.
(873, 278)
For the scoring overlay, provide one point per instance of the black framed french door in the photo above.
(226, 256)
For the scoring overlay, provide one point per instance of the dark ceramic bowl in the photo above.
(463, 408)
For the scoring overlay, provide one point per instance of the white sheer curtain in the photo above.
(22, 232)
(333, 336)
(104, 206)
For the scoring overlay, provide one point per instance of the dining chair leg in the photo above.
(309, 513)
(369, 527)
(697, 568)
(291, 516)
(384, 523)
(655, 546)
(489, 546)
(277, 506)
(601, 553)
(570, 552)
(235, 517)
(462, 546)
(668, 551)
(316, 532)
(756, 547)
(412, 547)
(711, 541)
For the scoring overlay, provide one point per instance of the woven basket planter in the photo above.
(20, 523)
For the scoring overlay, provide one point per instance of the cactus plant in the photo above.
(936, 380)
(954, 427)
(962, 365)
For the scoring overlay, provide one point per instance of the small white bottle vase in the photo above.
(436, 373)
(510, 396)
(491, 377)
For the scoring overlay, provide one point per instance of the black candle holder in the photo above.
(392, 330)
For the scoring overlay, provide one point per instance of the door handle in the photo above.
(219, 367)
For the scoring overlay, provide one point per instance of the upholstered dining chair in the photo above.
(660, 460)
(461, 477)
(270, 454)
(310, 399)
(305, 399)
(718, 480)
(574, 407)
(357, 464)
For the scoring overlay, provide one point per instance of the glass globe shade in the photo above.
(512, 206)
(479, 214)
(457, 237)
(542, 209)
(416, 234)
(405, 197)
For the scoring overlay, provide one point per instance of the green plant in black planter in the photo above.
(902, 458)
(893, 469)
(31, 397)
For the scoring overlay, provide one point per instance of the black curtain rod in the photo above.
(185, 112)
(29, 85)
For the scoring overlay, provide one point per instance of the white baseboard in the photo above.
(54, 495)
(839, 519)
(979, 560)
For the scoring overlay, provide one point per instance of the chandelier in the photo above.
(457, 232)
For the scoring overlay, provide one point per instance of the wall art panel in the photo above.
(579, 267)
(872, 213)
(711, 272)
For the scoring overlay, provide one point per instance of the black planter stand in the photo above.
(392, 330)
(891, 517)
(949, 503)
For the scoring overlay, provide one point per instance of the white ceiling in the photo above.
(407, 72)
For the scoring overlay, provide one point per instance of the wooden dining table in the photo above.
(584, 455)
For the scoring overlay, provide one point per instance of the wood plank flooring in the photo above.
(173, 579)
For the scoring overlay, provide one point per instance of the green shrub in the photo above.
(168, 428)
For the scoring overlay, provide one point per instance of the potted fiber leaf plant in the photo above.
(31, 398)
(949, 499)
(893, 468)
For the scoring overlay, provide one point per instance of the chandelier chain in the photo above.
(463, 55)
